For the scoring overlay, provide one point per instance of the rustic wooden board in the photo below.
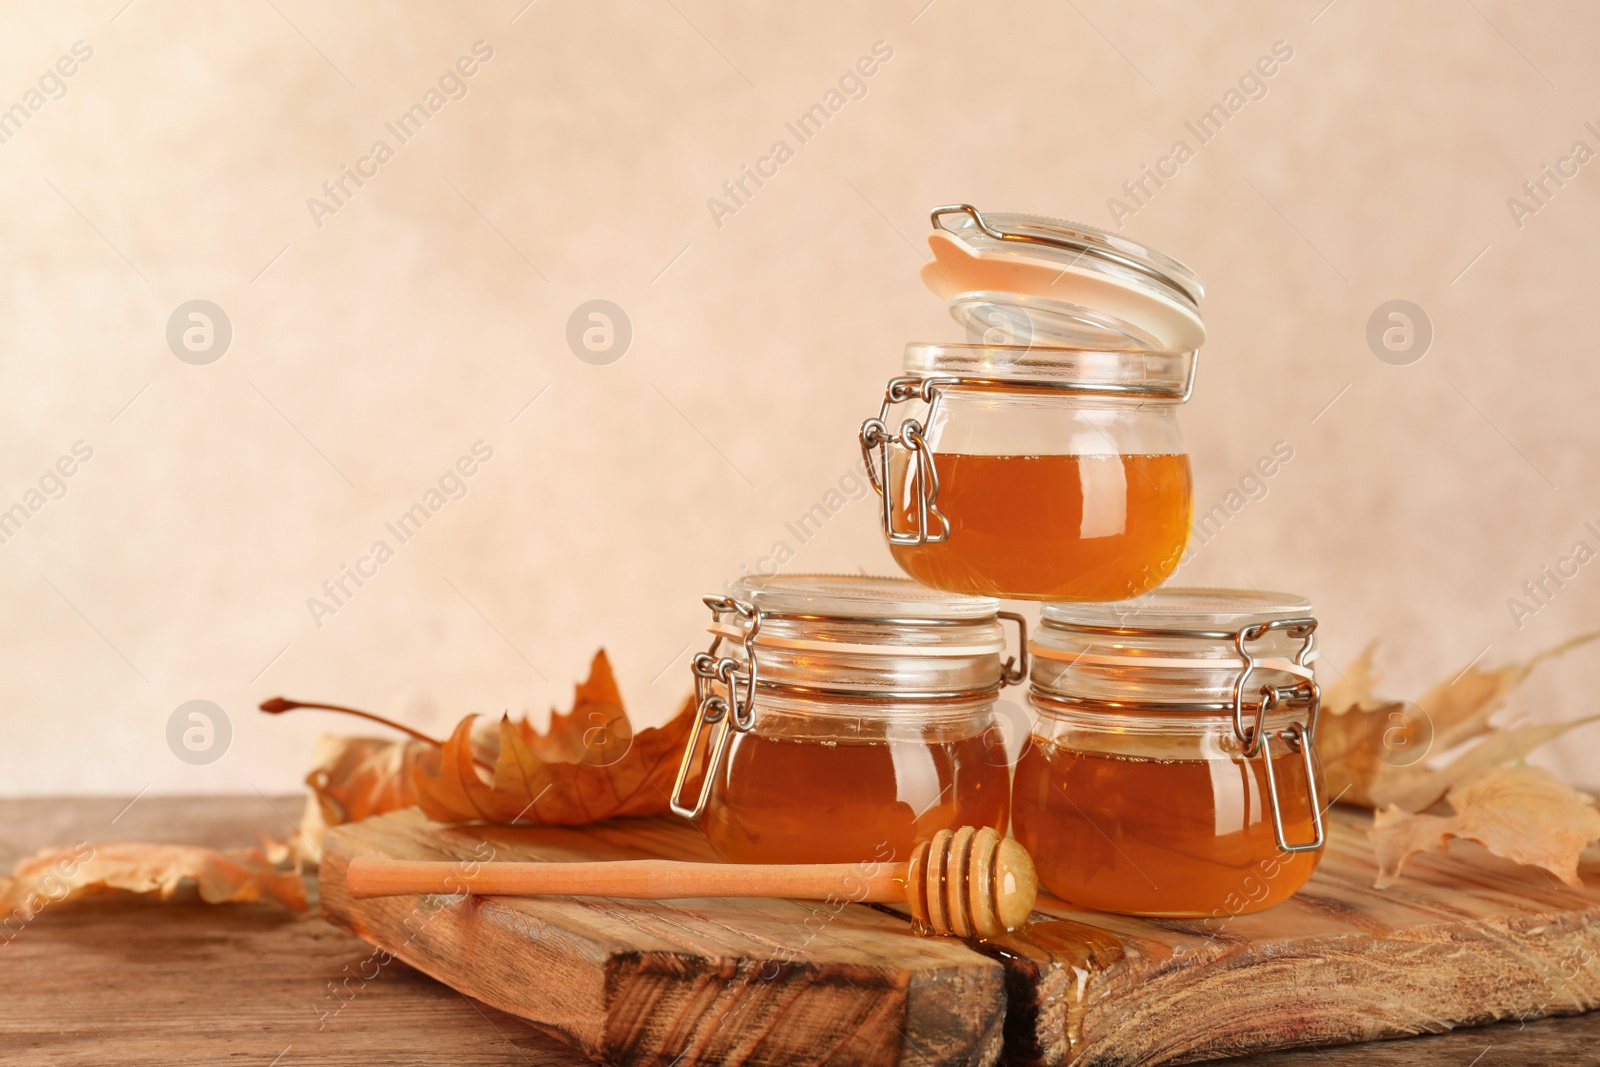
(686, 982)
(131, 981)
(1465, 939)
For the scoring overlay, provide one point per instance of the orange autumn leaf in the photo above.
(595, 724)
(233, 876)
(1374, 749)
(353, 778)
(589, 765)
(1522, 813)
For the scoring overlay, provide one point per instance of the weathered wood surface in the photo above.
(125, 980)
(133, 982)
(1465, 940)
(686, 982)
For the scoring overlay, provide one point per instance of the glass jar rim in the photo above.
(1151, 716)
(1131, 372)
(851, 597)
(1178, 609)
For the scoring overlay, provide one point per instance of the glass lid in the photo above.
(1180, 609)
(1015, 279)
(1174, 648)
(858, 596)
(850, 633)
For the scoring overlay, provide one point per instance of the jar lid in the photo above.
(1170, 646)
(1028, 279)
(863, 615)
(1188, 661)
(842, 633)
(858, 596)
(1180, 609)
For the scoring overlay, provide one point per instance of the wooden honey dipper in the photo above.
(969, 883)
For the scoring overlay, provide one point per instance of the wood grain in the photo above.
(1464, 939)
(125, 981)
(691, 982)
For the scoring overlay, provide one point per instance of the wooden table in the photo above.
(137, 982)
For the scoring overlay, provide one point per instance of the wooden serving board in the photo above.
(1464, 939)
(680, 982)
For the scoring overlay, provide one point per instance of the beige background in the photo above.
(371, 352)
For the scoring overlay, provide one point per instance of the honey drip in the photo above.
(1161, 837)
(1095, 527)
(786, 800)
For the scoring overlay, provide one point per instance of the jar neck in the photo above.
(786, 713)
(867, 678)
(866, 658)
(1149, 733)
(1131, 373)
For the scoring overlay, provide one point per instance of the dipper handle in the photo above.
(971, 883)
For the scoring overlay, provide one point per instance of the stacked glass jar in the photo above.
(1170, 768)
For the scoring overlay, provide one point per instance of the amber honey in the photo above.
(1161, 837)
(802, 800)
(1068, 527)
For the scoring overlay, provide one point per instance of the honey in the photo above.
(1051, 527)
(1143, 836)
(804, 800)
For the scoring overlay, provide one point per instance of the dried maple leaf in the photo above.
(1461, 708)
(1355, 685)
(596, 730)
(234, 876)
(1525, 814)
(353, 778)
(589, 765)
(1373, 749)
(1421, 787)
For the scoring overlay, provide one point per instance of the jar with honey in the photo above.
(1041, 460)
(1171, 769)
(844, 718)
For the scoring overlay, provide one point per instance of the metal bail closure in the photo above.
(1300, 737)
(724, 690)
(875, 436)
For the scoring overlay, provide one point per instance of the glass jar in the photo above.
(1171, 769)
(1043, 460)
(845, 718)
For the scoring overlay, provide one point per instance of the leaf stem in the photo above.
(279, 705)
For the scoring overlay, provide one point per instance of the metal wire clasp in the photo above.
(875, 436)
(1299, 736)
(724, 692)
